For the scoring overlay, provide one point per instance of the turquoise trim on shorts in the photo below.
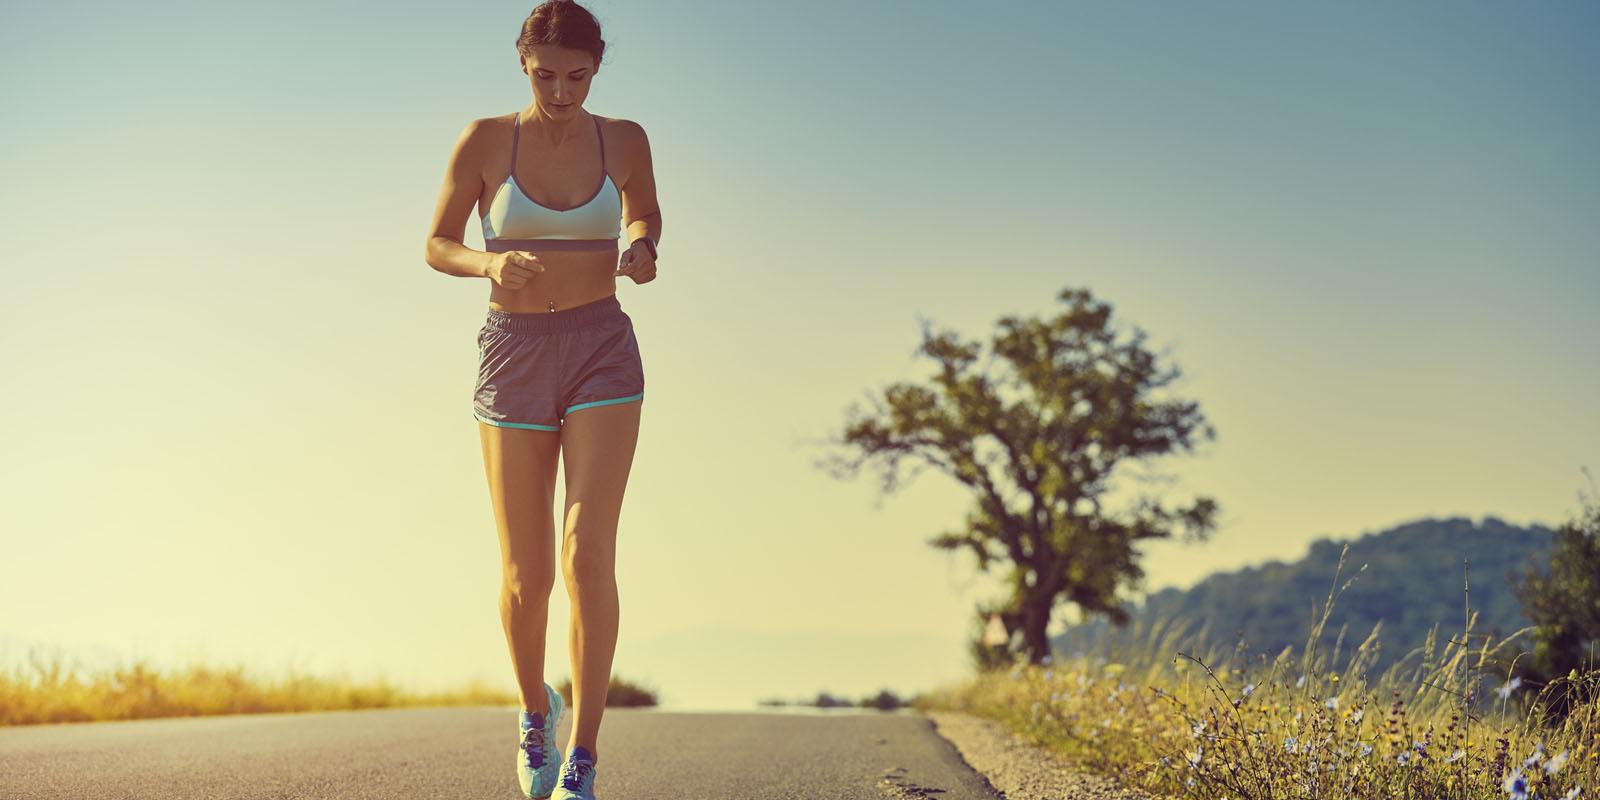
(629, 398)
(526, 425)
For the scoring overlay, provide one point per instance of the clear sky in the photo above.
(238, 403)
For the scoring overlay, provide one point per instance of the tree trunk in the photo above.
(1035, 622)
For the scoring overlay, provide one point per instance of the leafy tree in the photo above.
(1037, 446)
(1563, 604)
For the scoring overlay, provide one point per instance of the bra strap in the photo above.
(516, 123)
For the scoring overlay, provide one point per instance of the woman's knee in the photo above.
(527, 581)
(584, 560)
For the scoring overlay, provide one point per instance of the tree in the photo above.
(1563, 604)
(1037, 446)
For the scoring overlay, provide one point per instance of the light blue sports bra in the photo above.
(516, 222)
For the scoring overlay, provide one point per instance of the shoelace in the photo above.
(533, 745)
(577, 770)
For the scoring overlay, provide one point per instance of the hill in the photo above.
(1413, 581)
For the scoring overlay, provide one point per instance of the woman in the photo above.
(559, 367)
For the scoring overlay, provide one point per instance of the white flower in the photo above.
(1506, 690)
(1538, 753)
(1355, 716)
(1248, 688)
(1456, 756)
(1556, 762)
(1333, 702)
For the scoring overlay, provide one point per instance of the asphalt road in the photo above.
(468, 753)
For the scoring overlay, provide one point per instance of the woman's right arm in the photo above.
(463, 185)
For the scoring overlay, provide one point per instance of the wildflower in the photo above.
(1572, 795)
(1356, 715)
(1049, 673)
(1516, 785)
(1366, 749)
(1538, 753)
(1045, 660)
(1456, 756)
(1248, 688)
(1402, 758)
(1194, 756)
(1166, 762)
(1301, 682)
(1333, 702)
(1510, 686)
(1289, 744)
(1194, 732)
(1556, 762)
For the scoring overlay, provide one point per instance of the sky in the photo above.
(238, 417)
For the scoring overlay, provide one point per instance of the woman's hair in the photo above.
(563, 23)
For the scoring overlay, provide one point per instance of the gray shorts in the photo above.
(536, 367)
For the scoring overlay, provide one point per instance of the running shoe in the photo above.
(538, 758)
(577, 776)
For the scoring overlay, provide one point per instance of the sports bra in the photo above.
(516, 222)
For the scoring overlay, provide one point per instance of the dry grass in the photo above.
(1148, 711)
(47, 692)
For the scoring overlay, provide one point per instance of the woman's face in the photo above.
(560, 77)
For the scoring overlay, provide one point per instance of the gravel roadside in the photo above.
(1021, 770)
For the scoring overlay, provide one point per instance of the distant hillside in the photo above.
(1413, 580)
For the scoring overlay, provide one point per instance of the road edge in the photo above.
(1018, 769)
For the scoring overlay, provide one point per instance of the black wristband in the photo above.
(649, 245)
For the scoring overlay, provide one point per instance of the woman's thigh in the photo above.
(597, 445)
(521, 468)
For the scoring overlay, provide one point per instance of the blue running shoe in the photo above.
(538, 758)
(577, 776)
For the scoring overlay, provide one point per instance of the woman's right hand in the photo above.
(513, 268)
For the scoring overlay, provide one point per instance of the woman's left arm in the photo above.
(640, 211)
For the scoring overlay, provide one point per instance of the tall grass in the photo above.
(1146, 709)
(45, 692)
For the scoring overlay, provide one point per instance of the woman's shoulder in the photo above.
(624, 127)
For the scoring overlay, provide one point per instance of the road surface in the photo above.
(456, 753)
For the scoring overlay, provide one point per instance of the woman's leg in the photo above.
(521, 467)
(597, 444)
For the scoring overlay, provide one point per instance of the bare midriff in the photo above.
(570, 278)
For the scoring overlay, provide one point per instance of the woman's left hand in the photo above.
(637, 263)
